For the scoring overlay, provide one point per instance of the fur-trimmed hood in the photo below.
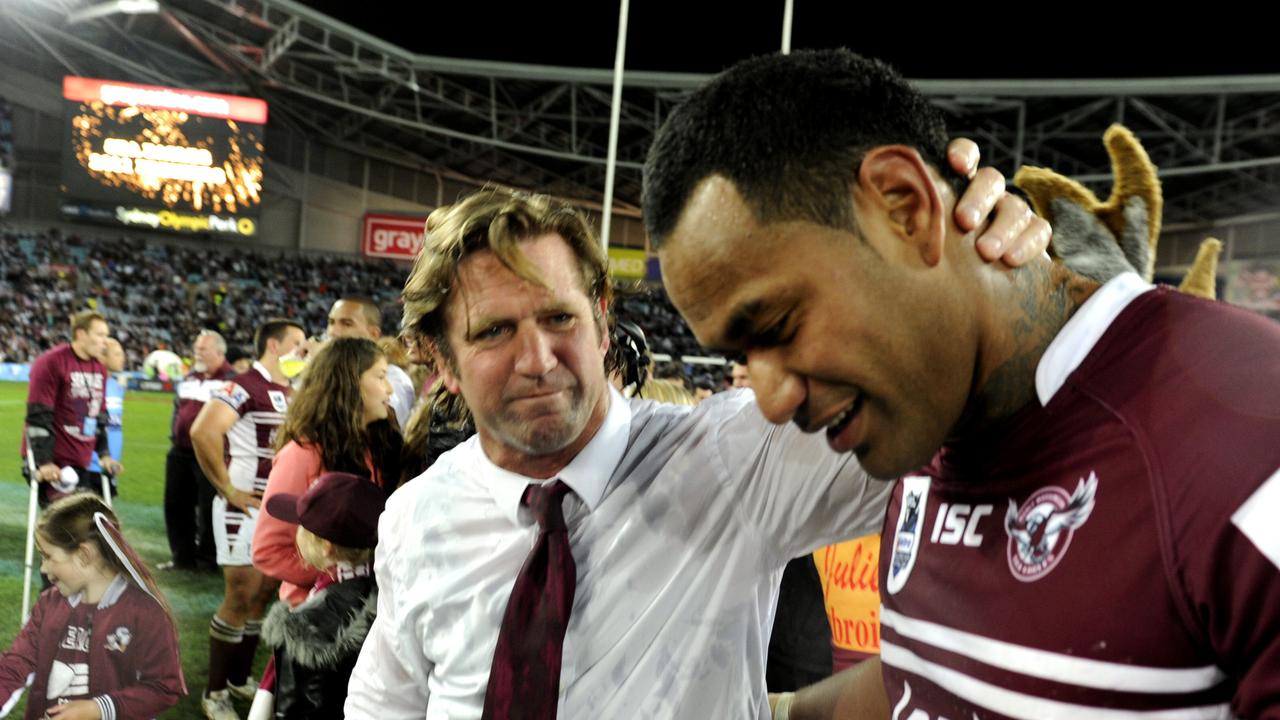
(327, 627)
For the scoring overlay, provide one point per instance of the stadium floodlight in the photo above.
(123, 7)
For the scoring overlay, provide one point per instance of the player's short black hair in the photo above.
(368, 307)
(790, 132)
(273, 329)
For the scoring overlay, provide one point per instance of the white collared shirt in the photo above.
(681, 521)
(402, 394)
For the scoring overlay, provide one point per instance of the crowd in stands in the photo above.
(155, 294)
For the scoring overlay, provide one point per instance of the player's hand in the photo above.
(48, 472)
(111, 466)
(242, 500)
(1016, 234)
(76, 710)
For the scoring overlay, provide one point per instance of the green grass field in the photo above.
(194, 596)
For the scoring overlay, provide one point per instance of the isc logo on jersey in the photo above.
(1041, 529)
(958, 523)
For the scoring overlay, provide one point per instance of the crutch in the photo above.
(106, 486)
(32, 505)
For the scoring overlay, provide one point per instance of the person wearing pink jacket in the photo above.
(337, 421)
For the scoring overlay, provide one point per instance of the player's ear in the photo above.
(894, 180)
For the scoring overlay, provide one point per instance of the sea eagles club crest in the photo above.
(1040, 531)
(906, 536)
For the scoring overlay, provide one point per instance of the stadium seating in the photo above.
(153, 292)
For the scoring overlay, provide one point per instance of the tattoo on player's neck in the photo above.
(1047, 296)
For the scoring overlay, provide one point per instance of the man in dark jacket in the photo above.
(186, 489)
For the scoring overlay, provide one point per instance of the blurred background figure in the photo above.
(112, 358)
(187, 492)
(163, 364)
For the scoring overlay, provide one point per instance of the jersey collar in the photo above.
(1081, 333)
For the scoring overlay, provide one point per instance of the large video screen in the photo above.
(162, 158)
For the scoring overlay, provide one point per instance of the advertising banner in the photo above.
(395, 237)
(627, 264)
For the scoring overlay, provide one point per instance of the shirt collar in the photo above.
(109, 596)
(262, 370)
(1077, 338)
(587, 474)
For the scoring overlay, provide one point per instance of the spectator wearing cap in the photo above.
(316, 644)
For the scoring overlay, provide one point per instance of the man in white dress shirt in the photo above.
(680, 519)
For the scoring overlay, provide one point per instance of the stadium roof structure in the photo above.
(1215, 139)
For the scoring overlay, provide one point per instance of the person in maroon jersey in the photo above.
(187, 491)
(243, 415)
(66, 410)
(1097, 536)
(101, 642)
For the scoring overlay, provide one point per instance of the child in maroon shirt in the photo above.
(101, 643)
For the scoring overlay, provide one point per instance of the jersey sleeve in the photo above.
(275, 551)
(154, 659)
(42, 398)
(794, 489)
(44, 382)
(392, 674)
(1211, 424)
(19, 661)
(233, 394)
(1231, 579)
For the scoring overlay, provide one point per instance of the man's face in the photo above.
(840, 332)
(347, 319)
(206, 353)
(292, 340)
(740, 375)
(529, 361)
(94, 338)
(112, 356)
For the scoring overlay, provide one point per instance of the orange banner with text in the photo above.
(850, 573)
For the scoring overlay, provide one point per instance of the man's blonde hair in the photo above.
(84, 319)
(497, 220)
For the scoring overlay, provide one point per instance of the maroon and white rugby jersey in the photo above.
(75, 389)
(261, 405)
(1112, 551)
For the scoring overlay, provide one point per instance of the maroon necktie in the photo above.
(524, 683)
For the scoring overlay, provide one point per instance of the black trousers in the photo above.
(188, 510)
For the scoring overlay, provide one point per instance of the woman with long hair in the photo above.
(337, 422)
